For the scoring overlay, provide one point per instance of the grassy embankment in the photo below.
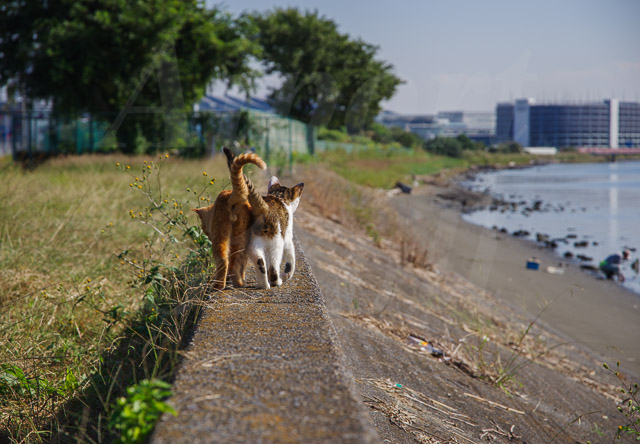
(381, 168)
(73, 312)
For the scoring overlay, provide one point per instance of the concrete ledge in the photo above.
(265, 366)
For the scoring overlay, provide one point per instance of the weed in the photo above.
(414, 254)
(136, 414)
(629, 407)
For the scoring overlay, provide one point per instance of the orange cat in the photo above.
(226, 223)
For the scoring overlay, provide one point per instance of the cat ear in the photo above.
(273, 182)
(298, 189)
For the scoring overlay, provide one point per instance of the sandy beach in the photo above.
(595, 314)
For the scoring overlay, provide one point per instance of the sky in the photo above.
(468, 55)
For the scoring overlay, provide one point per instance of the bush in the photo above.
(507, 147)
(332, 135)
(445, 146)
(406, 138)
(380, 133)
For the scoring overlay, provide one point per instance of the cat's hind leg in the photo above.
(220, 277)
(238, 256)
(221, 256)
(274, 259)
(258, 259)
(289, 258)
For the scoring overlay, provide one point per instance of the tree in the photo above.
(329, 79)
(96, 55)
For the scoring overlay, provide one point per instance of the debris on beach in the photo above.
(425, 346)
(542, 238)
(555, 270)
(399, 188)
(404, 187)
(533, 264)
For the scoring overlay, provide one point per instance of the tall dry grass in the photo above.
(66, 298)
(336, 198)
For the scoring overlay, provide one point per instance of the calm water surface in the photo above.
(597, 203)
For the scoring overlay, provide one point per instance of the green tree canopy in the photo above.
(95, 55)
(329, 78)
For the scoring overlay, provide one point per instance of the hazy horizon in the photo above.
(468, 55)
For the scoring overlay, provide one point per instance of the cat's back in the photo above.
(275, 221)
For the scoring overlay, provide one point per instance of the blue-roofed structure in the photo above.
(228, 103)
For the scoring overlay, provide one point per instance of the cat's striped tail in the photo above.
(235, 164)
(258, 204)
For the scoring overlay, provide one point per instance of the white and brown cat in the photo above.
(271, 239)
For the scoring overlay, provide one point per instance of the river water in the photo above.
(597, 205)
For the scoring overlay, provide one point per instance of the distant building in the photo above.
(609, 123)
(229, 103)
(479, 126)
(504, 122)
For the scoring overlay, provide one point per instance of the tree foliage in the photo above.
(100, 56)
(329, 78)
(382, 134)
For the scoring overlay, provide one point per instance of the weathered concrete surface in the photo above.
(264, 366)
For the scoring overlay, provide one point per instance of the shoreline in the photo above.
(600, 316)
(489, 352)
(574, 254)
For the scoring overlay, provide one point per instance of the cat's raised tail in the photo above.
(238, 180)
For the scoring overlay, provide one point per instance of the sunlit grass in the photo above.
(62, 287)
(383, 168)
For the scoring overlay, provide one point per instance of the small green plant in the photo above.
(136, 414)
(629, 407)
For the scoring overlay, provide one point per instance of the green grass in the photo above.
(383, 168)
(67, 299)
